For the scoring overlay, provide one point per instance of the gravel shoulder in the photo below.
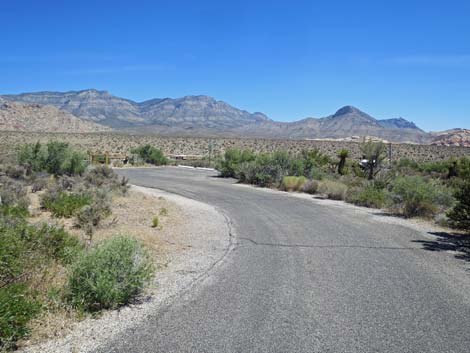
(200, 241)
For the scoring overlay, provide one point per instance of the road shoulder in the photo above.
(203, 241)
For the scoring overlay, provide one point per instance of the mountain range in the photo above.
(203, 116)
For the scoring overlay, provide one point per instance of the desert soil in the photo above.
(191, 239)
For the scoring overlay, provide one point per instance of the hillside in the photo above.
(205, 116)
(34, 117)
(187, 112)
(454, 137)
(346, 122)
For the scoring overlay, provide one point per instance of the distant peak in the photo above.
(348, 109)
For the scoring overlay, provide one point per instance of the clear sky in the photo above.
(287, 59)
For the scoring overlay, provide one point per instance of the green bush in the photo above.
(150, 155)
(367, 196)
(414, 196)
(65, 204)
(155, 222)
(56, 157)
(293, 183)
(233, 158)
(459, 216)
(333, 190)
(110, 275)
(16, 310)
(26, 251)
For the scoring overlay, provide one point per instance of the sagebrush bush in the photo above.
(333, 190)
(16, 311)
(102, 176)
(413, 196)
(110, 275)
(310, 187)
(91, 215)
(13, 193)
(368, 196)
(65, 204)
(293, 183)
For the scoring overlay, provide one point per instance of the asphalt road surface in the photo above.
(307, 276)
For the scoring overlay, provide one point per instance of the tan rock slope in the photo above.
(35, 117)
(454, 137)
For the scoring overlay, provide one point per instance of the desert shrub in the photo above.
(65, 204)
(26, 251)
(155, 222)
(22, 246)
(163, 211)
(310, 187)
(56, 157)
(38, 184)
(91, 215)
(16, 310)
(13, 194)
(150, 155)
(102, 176)
(459, 216)
(56, 243)
(332, 189)
(368, 196)
(232, 159)
(463, 168)
(110, 275)
(15, 171)
(293, 183)
(414, 196)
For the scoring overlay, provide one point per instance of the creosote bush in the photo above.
(109, 275)
(413, 196)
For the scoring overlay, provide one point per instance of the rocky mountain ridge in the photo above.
(39, 118)
(204, 116)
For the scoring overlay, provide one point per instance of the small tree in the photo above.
(460, 215)
(374, 153)
(342, 155)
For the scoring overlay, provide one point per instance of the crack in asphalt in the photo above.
(281, 245)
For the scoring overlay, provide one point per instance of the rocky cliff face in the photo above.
(345, 123)
(116, 112)
(34, 117)
(454, 137)
(205, 116)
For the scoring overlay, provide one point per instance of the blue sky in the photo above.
(287, 59)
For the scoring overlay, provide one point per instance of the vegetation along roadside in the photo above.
(50, 261)
(439, 190)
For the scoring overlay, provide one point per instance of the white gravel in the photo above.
(208, 236)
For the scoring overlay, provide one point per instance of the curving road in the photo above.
(307, 276)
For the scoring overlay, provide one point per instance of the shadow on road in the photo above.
(448, 242)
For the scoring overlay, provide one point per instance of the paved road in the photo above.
(307, 277)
